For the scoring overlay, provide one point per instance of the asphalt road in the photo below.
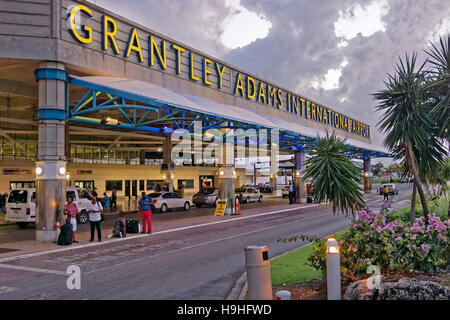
(200, 262)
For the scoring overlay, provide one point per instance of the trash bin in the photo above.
(257, 266)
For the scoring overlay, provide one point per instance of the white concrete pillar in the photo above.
(227, 172)
(51, 159)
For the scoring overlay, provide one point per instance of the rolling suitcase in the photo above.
(65, 236)
(133, 226)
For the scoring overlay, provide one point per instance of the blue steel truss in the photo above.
(150, 115)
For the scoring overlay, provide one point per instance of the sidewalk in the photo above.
(19, 248)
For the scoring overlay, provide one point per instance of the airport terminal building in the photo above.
(91, 99)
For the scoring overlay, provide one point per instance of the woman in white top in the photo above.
(95, 209)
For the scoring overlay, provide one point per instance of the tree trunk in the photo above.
(413, 203)
(423, 200)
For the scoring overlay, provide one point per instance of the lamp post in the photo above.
(333, 270)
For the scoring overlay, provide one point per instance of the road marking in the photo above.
(21, 268)
(200, 244)
(7, 289)
(36, 254)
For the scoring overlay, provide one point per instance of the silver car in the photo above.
(206, 197)
(248, 195)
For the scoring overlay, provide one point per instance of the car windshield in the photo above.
(240, 190)
(154, 195)
(18, 196)
(388, 185)
(83, 194)
(206, 190)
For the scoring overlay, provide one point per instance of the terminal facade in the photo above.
(92, 99)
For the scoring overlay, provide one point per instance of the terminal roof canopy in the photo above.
(143, 98)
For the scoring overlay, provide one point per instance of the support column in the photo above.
(299, 185)
(51, 158)
(367, 176)
(167, 159)
(142, 157)
(227, 172)
(274, 154)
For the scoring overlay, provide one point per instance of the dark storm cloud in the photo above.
(301, 44)
(196, 23)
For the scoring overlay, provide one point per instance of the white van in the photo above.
(21, 205)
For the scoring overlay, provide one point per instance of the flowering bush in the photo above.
(386, 241)
(379, 238)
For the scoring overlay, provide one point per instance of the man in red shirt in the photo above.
(146, 212)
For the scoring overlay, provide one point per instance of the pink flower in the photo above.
(425, 248)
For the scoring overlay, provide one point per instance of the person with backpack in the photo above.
(146, 212)
(95, 210)
(71, 210)
(120, 227)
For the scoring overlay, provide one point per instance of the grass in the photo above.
(292, 268)
(439, 206)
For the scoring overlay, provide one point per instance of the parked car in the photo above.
(248, 195)
(393, 189)
(21, 205)
(265, 187)
(206, 196)
(165, 201)
(309, 189)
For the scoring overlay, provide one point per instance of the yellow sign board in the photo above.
(220, 208)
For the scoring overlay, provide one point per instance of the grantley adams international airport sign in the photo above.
(245, 86)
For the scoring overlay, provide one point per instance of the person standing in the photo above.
(291, 193)
(71, 210)
(114, 199)
(2, 203)
(106, 200)
(95, 209)
(386, 193)
(146, 212)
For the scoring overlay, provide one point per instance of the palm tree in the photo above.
(334, 176)
(439, 86)
(439, 58)
(410, 131)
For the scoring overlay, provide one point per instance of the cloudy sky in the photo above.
(336, 52)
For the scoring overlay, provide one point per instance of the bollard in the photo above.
(58, 228)
(257, 266)
(333, 270)
(283, 295)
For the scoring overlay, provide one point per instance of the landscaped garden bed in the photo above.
(387, 242)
